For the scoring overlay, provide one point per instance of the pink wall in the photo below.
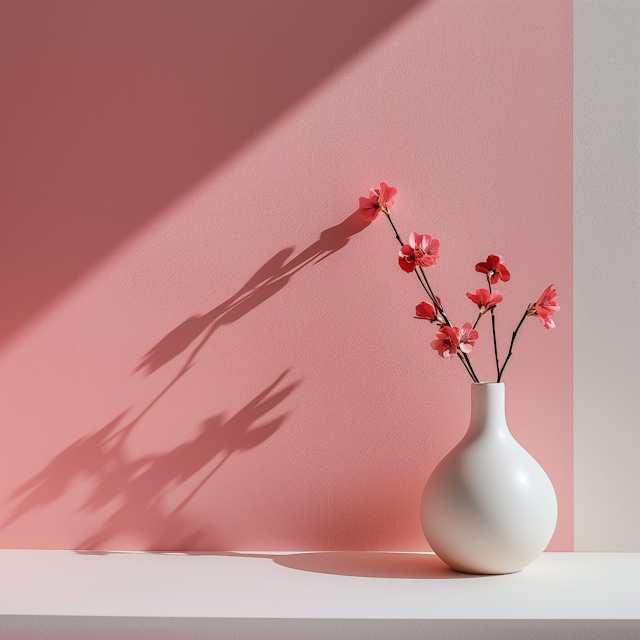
(202, 348)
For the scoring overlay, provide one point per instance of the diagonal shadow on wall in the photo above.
(139, 485)
(143, 486)
(272, 277)
(111, 110)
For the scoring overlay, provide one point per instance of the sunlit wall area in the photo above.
(203, 345)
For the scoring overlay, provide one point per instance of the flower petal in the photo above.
(405, 265)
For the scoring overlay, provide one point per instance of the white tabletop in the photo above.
(323, 585)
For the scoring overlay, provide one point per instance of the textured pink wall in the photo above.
(202, 348)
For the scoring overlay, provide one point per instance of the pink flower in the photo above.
(485, 300)
(424, 311)
(447, 343)
(422, 251)
(546, 307)
(494, 268)
(467, 337)
(378, 200)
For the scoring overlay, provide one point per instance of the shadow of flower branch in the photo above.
(141, 486)
(271, 278)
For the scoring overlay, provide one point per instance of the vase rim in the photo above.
(480, 384)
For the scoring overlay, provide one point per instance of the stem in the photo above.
(513, 337)
(423, 281)
(469, 371)
(495, 343)
(433, 294)
(427, 287)
(468, 360)
(477, 320)
(493, 327)
(394, 227)
(440, 308)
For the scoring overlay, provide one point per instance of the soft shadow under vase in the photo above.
(488, 507)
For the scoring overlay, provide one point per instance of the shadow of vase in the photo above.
(372, 564)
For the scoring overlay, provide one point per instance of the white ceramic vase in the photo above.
(488, 507)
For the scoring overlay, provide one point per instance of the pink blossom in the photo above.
(467, 337)
(422, 251)
(379, 200)
(424, 311)
(485, 300)
(494, 268)
(546, 307)
(447, 343)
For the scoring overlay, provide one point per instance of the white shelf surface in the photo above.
(322, 585)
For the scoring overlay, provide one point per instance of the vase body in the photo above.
(488, 507)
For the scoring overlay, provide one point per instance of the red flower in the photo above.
(546, 307)
(485, 300)
(424, 311)
(467, 337)
(378, 200)
(494, 268)
(447, 343)
(422, 251)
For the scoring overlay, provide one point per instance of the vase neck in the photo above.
(487, 409)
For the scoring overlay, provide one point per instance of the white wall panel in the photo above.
(607, 274)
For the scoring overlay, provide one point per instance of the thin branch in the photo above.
(426, 286)
(464, 362)
(424, 275)
(493, 327)
(468, 359)
(495, 344)
(432, 296)
(513, 337)
(428, 290)
(440, 308)
(394, 227)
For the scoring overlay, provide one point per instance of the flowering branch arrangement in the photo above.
(422, 252)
